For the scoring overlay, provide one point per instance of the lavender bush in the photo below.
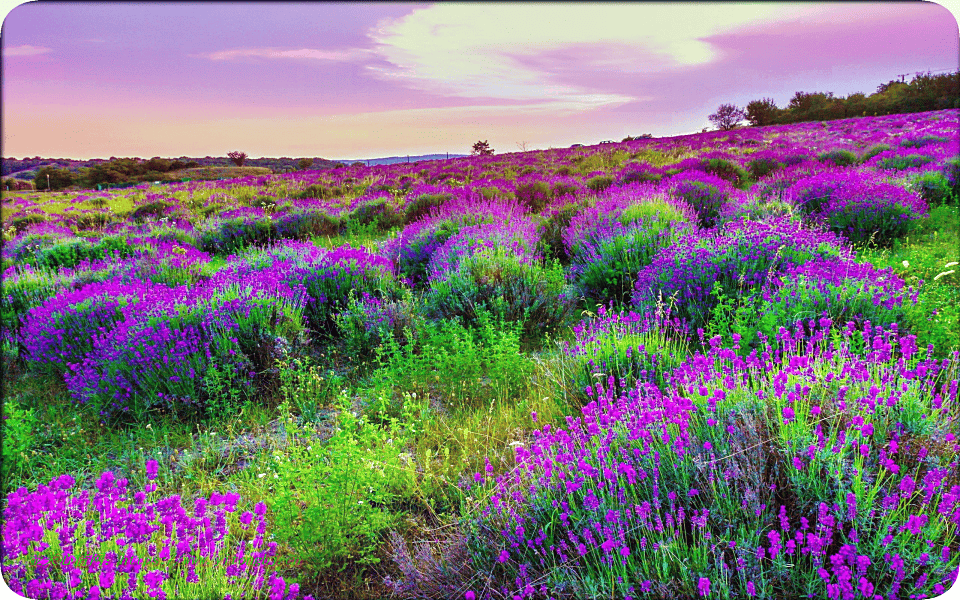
(61, 541)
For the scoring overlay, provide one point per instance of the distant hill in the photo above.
(390, 160)
(26, 168)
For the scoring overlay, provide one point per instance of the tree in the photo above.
(51, 178)
(727, 117)
(762, 112)
(482, 149)
(237, 157)
(522, 145)
(304, 163)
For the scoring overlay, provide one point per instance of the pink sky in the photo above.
(362, 80)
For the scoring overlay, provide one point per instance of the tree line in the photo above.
(924, 93)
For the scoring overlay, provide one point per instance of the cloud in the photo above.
(26, 51)
(348, 55)
(534, 51)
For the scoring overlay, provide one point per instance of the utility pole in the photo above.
(48, 182)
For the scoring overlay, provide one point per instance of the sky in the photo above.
(364, 80)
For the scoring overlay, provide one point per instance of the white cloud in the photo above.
(478, 50)
(26, 51)
(351, 54)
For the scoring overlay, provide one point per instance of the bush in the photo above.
(727, 170)
(461, 367)
(499, 282)
(534, 195)
(839, 158)
(873, 151)
(616, 350)
(599, 183)
(329, 281)
(747, 450)
(319, 192)
(705, 193)
(380, 212)
(902, 162)
(550, 230)
(872, 212)
(17, 429)
(333, 500)
(934, 188)
(761, 167)
(61, 331)
(189, 350)
(368, 322)
(303, 224)
(205, 561)
(423, 204)
(638, 173)
(233, 231)
(740, 258)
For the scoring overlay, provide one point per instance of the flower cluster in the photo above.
(61, 542)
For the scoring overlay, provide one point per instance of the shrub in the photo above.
(60, 331)
(162, 354)
(727, 170)
(873, 151)
(303, 224)
(368, 322)
(329, 280)
(611, 241)
(534, 195)
(841, 290)
(423, 204)
(839, 158)
(150, 210)
(763, 166)
(704, 192)
(599, 183)
(516, 235)
(901, 162)
(379, 212)
(868, 211)
(934, 188)
(17, 429)
(319, 192)
(740, 258)
(615, 350)
(742, 451)
(333, 500)
(458, 366)
(234, 230)
(638, 173)
(416, 243)
(550, 230)
(920, 142)
(135, 543)
(500, 282)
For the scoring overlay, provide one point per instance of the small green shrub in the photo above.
(332, 502)
(841, 158)
(462, 367)
(422, 205)
(534, 195)
(600, 182)
(501, 283)
(873, 151)
(550, 231)
(18, 424)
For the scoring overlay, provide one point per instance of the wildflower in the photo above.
(704, 586)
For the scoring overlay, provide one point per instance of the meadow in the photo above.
(718, 365)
